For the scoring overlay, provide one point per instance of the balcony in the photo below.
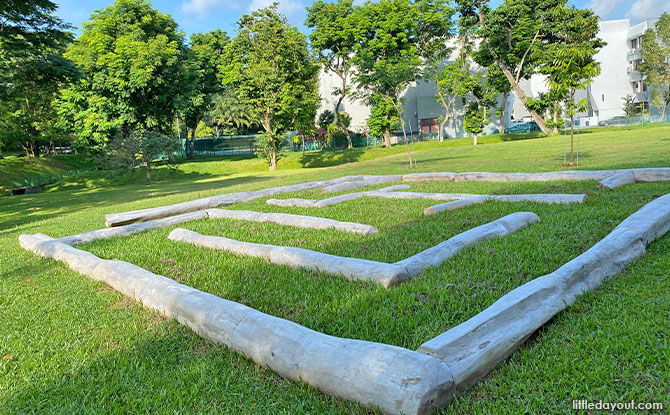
(634, 75)
(634, 54)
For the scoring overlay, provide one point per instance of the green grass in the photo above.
(80, 347)
(16, 168)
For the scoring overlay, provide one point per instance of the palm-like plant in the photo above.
(227, 112)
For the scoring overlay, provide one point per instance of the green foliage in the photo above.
(203, 130)
(139, 150)
(132, 58)
(655, 52)
(383, 117)
(326, 118)
(227, 114)
(333, 40)
(387, 58)
(630, 108)
(272, 74)
(202, 59)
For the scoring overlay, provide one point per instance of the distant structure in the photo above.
(620, 77)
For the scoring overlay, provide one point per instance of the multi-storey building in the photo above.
(619, 77)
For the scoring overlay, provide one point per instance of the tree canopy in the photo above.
(655, 54)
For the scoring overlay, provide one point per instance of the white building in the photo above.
(619, 77)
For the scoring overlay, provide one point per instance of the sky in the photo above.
(204, 15)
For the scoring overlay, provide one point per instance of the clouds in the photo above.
(204, 8)
(603, 7)
(646, 9)
(286, 7)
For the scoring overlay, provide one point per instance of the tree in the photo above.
(326, 118)
(202, 59)
(629, 106)
(272, 73)
(140, 149)
(29, 26)
(386, 57)
(455, 80)
(655, 66)
(573, 66)
(434, 31)
(227, 113)
(132, 59)
(514, 36)
(499, 84)
(482, 97)
(333, 40)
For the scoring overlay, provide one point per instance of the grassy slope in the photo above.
(79, 347)
(17, 168)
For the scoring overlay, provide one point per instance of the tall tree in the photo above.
(227, 114)
(386, 58)
(435, 29)
(514, 36)
(272, 73)
(573, 65)
(655, 54)
(32, 70)
(132, 59)
(202, 59)
(333, 40)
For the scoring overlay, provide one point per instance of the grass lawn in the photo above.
(77, 346)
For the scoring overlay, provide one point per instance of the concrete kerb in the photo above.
(393, 379)
(550, 198)
(476, 346)
(117, 219)
(362, 269)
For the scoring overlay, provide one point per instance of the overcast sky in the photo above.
(205, 15)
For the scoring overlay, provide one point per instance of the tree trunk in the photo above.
(440, 133)
(343, 77)
(501, 128)
(522, 96)
(191, 148)
(303, 144)
(387, 137)
(474, 141)
(555, 128)
(273, 156)
(572, 129)
(148, 169)
(35, 148)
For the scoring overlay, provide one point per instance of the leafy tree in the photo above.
(455, 80)
(30, 26)
(435, 29)
(482, 95)
(32, 70)
(333, 40)
(227, 113)
(132, 59)
(655, 54)
(515, 36)
(326, 118)
(27, 116)
(383, 116)
(499, 84)
(386, 58)
(574, 65)
(271, 72)
(630, 108)
(140, 149)
(202, 58)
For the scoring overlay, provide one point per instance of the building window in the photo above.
(464, 101)
(633, 44)
(644, 86)
(603, 97)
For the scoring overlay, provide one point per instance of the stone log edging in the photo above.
(286, 219)
(549, 198)
(433, 257)
(334, 200)
(476, 346)
(341, 187)
(641, 175)
(362, 269)
(393, 379)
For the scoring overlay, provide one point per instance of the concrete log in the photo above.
(393, 379)
(420, 195)
(550, 198)
(441, 252)
(476, 346)
(300, 221)
(123, 218)
(659, 174)
(342, 187)
(429, 177)
(456, 204)
(334, 200)
(352, 268)
(619, 179)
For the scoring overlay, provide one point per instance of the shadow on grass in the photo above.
(20, 210)
(328, 158)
